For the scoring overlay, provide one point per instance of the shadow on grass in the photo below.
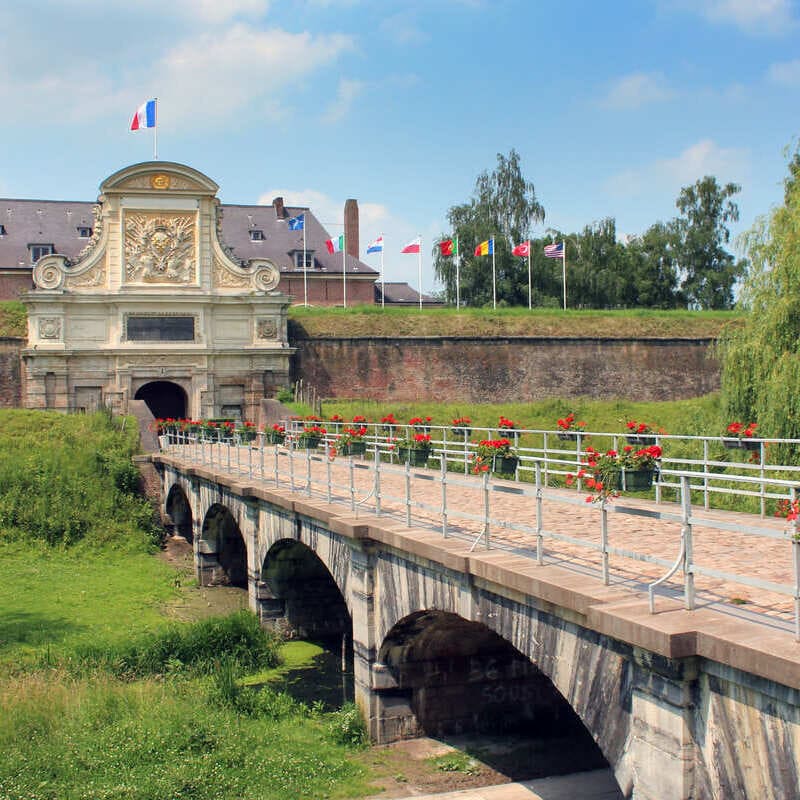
(33, 630)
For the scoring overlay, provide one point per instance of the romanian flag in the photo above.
(335, 245)
(485, 248)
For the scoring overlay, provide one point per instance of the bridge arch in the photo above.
(446, 675)
(178, 510)
(298, 589)
(222, 549)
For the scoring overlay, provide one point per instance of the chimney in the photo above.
(280, 211)
(351, 227)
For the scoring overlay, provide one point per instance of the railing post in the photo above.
(762, 474)
(796, 567)
(328, 461)
(539, 524)
(604, 539)
(686, 533)
(706, 492)
(292, 452)
(443, 465)
(308, 471)
(408, 493)
(486, 509)
(377, 480)
(352, 472)
(228, 451)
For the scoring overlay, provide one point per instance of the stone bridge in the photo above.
(444, 640)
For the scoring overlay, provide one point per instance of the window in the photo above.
(39, 250)
(160, 329)
(2, 230)
(256, 235)
(84, 232)
(297, 257)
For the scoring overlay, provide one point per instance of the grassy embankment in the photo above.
(103, 694)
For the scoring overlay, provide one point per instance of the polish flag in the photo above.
(413, 246)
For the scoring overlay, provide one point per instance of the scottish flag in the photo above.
(297, 223)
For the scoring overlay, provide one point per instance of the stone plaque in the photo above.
(160, 329)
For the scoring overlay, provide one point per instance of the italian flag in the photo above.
(335, 245)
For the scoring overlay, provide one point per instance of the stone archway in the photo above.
(179, 514)
(165, 399)
(444, 676)
(297, 589)
(223, 554)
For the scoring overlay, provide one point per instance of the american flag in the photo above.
(554, 250)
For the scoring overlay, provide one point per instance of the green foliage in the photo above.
(65, 478)
(13, 319)
(761, 360)
(239, 638)
(285, 395)
(346, 726)
(228, 692)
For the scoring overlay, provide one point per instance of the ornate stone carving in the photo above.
(92, 277)
(50, 328)
(97, 229)
(266, 277)
(225, 278)
(266, 329)
(161, 181)
(48, 273)
(159, 248)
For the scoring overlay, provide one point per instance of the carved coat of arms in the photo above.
(159, 248)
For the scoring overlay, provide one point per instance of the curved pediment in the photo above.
(159, 176)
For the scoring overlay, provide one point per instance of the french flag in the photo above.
(145, 116)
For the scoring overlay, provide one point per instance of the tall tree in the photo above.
(504, 207)
(761, 360)
(709, 271)
(653, 267)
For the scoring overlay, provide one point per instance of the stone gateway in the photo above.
(156, 308)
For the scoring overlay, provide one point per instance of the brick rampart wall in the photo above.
(10, 372)
(506, 370)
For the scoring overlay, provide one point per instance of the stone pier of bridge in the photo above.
(447, 639)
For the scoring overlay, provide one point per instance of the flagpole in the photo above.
(530, 305)
(564, 271)
(383, 293)
(305, 267)
(419, 253)
(344, 270)
(494, 281)
(458, 277)
(155, 133)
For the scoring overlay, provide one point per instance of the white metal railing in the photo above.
(313, 472)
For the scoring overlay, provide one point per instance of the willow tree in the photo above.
(761, 359)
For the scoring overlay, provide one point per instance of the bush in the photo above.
(227, 692)
(238, 638)
(347, 726)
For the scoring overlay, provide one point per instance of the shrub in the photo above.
(347, 727)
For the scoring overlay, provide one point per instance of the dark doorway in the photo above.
(164, 399)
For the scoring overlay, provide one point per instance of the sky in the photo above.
(612, 106)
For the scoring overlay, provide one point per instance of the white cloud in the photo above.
(219, 11)
(223, 72)
(637, 89)
(669, 175)
(786, 73)
(346, 94)
(328, 209)
(752, 16)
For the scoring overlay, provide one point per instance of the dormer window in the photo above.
(2, 230)
(39, 250)
(256, 235)
(297, 258)
(84, 232)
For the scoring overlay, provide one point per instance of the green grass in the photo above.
(102, 693)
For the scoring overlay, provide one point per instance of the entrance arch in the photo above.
(450, 677)
(224, 562)
(165, 399)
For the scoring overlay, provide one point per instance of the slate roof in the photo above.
(56, 222)
(402, 294)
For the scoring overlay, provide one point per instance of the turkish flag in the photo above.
(523, 250)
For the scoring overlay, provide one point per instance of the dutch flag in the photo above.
(145, 116)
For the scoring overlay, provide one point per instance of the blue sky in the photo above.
(613, 107)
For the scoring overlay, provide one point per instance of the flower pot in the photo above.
(735, 443)
(641, 440)
(276, 437)
(353, 449)
(631, 480)
(505, 465)
(413, 456)
(247, 435)
(461, 433)
(310, 442)
(567, 436)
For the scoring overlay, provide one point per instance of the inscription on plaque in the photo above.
(160, 329)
